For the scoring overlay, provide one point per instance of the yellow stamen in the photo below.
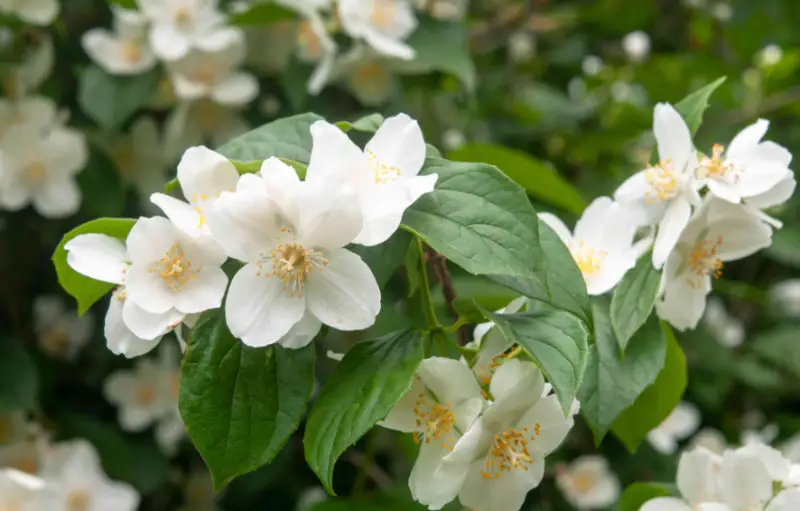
(704, 262)
(663, 182)
(509, 452)
(588, 259)
(79, 500)
(174, 268)
(293, 264)
(383, 173)
(132, 51)
(145, 395)
(383, 13)
(435, 422)
(35, 171)
(715, 167)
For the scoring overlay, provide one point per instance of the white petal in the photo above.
(383, 207)
(398, 143)
(787, 500)
(683, 305)
(546, 422)
(120, 340)
(504, 493)
(741, 238)
(245, 224)
(745, 481)
(612, 270)
(302, 333)
(402, 417)
(38, 12)
(150, 239)
(635, 188)
(696, 477)
(279, 181)
(205, 173)
(450, 380)
(557, 225)
(747, 139)
(345, 295)
(387, 45)
(429, 485)
(148, 290)
(672, 135)
(235, 90)
(592, 224)
(777, 466)
(257, 309)
(510, 376)
(330, 216)
(98, 256)
(168, 43)
(147, 325)
(57, 197)
(672, 225)
(184, 216)
(334, 154)
(775, 196)
(203, 292)
(724, 190)
(665, 504)
(761, 176)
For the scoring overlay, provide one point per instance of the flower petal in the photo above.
(330, 216)
(429, 485)
(302, 333)
(402, 417)
(203, 292)
(183, 215)
(168, 43)
(57, 197)
(546, 422)
(559, 227)
(334, 154)
(387, 45)
(672, 135)
(683, 304)
(398, 143)
(696, 477)
(98, 256)
(205, 173)
(236, 89)
(746, 483)
(383, 207)
(746, 140)
(147, 325)
(672, 225)
(148, 290)
(149, 239)
(451, 381)
(504, 493)
(120, 339)
(665, 504)
(245, 224)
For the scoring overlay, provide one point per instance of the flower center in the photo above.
(293, 264)
(175, 268)
(509, 452)
(56, 340)
(206, 74)
(28, 464)
(663, 182)
(308, 41)
(715, 167)
(207, 114)
(144, 395)
(183, 16)
(131, 51)
(704, 261)
(583, 483)
(35, 171)
(383, 13)
(435, 422)
(78, 500)
(383, 173)
(588, 259)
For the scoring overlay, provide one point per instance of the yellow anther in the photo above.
(704, 261)
(509, 452)
(715, 166)
(174, 268)
(435, 422)
(588, 259)
(35, 171)
(663, 182)
(382, 173)
(293, 264)
(383, 13)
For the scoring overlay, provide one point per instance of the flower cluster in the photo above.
(289, 234)
(755, 477)
(700, 211)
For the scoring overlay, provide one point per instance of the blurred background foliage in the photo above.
(559, 95)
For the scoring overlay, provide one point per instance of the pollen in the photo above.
(383, 13)
(383, 173)
(144, 395)
(588, 259)
(79, 500)
(35, 171)
(183, 16)
(175, 268)
(704, 261)
(435, 422)
(663, 182)
(206, 74)
(131, 51)
(509, 452)
(715, 167)
(294, 264)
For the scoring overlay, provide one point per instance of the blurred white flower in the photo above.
(75, 481)
(291, 234)
(39, 168)
(13, 427)
(270, 106)
(28, 75)
(453, 139)
(592, 65)
(201, 122)
(451, 10)
(383, 24)
(522, 46)
(310, 498)
(695, 4)
(785, 295)
(126, 50)
(770, 55)
(385, 174)
(35, 12)
(314, 42)
(636, 45)
(763, 436)
(719, 232)
(710, 439)
(60, 333)
(19, 491)
(791, 448)
(680, 424)
(602, 244)
(365, 73)
(35, 113)
(491, 343)
(588, 483)
(722, 11)
(726, 329)
(697, 483)
(199, 492)
(22, 443)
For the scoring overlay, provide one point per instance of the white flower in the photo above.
(592, 65)
(664, 193)
(36, 113)
(791, 448)
(129, 330)
(769, 55)
(502, 456)
(203, 175)
(385, 174)
(697, 483)
(365, 73)
(492, 343)
(727, 330)
(452, 10)
(781, 192)
(680, 424)
(710, 439)
(198, 122)
(722, 11)
(40, 169)
(589, 483)
(26, 454)
(125, 51)
(383, 24)
(18, 491)
(36, 12)
(215, 75)
(453, 139)
(60, 333)
(521, 45)
(13, 427)
(444, 401)
(785, 295)
(310, 498)
(180, 25)
(291, 234)
(719, 232)
(636, 45)
(753, 435)
(29, 74)
(749, 167)
(602, 244)
(75, 480)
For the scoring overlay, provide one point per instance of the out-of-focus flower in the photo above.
(35, 12)
(711, 439)
(636, 45)
(588, 483)
(722, 11)
(383, 24)
(199, 492)
(201, 122)
(696, 480)
(60, 333)
(453, 139)
(28, 75)
(680, 424)
(522, 45)
(310, 498)
(125, 51)
(727, 330)
(19, 490)
(592, 65)
(769, 55)
(314, 43)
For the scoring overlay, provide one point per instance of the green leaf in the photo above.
(285, 138)
(368, 123)
(785, 246)
(125, 4)
(384, 259)
(111, 100)
(694, 105)
(612, 384)
(19, 380)
(478, 218)
(362, 390)
(633, 300)
(247, 167)
(262, 14)
(444, 46)
(102, 188)
(779, 346)
(557, 340)
(85, 290)
(557, 282)
(536, 177)
(241, 404)
(637, 494)
(657, 401)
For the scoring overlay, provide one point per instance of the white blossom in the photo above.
(35, 114)
(636, 45)
(18, 491)
(36, 12)
(602, 244)
(195, 123)
(126, 50)
(680, 424)
(491, 343)
(588, 483)
(592, 65)
(697, 483)
(521, 45)
(728, 330)
(385, 174)
(710, 439)
(383, 24)
(314, 42)
(199, 492)
(60, 333)
(785, 295)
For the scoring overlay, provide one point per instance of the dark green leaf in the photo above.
(102, 188)
(362, 390)
(612, 384)
(384, 259)
(262, 14)
(657, 401)
(785, 246)
(369, 123)
(536, 177)
(125, 4)
(633, 300)
(779, 346)
(478, 218)
(694, 105)
(637, 494)
(19, 381)
(444, 46)
(241, 404)
(286, 138)
(559, 343)
(85, 290)
(112, 100)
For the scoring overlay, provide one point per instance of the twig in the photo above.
(439, 264)
(370, 469)
(786, 98)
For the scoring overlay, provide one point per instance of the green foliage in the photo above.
(694, 105)
(125, 4)
(557, 340)
(369, 123)
(112, 100)
(19, 379)
(657, 401)
(85, 290)
(614, 382)
(241, 404)
(780, 347)
(785, 246)
(362, 390)
(637, 494)
(536, 177)
(384, 259)
(444, 46)
(633, 300)
(285, 138)
(262, 13)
